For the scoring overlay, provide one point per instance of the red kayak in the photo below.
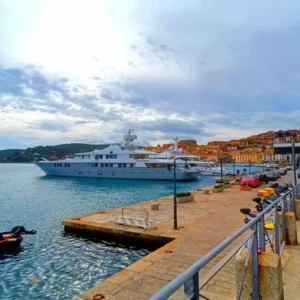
(13, 238)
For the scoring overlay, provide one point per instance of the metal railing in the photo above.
(254, 241)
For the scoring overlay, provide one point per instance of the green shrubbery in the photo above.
(183, 194)
(218, 186)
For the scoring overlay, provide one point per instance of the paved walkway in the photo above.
(204, 223)
(291, 270)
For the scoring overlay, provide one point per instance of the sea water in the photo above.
(65, 265)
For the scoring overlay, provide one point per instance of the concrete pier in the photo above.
(203, 224)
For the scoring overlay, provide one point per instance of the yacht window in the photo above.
(115, 156)
(110, 151)
(124, 165)
(61, 165)
(101, 156)
(111, 156)
(111, 165)
(97, 157)
(107, 156)
(102, 165)
(106, 165)
(69, 165)
(128, 165)
(65, 165)
(131, 165)
(120, 165)
(82, 156)
(96, 165)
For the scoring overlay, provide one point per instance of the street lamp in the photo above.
(174, 200)
(233, 162)
(294, 162)
(221, 162)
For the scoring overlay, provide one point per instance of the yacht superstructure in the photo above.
(122, 161)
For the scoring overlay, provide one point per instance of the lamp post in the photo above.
(221, 161)
(233, 162)
(294, 162)
(174, 200)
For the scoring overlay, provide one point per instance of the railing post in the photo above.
(196, 286)
(277, 237)
(284, 219)
(191, 287)
(255, 272)
(262, 243)
(293, 196)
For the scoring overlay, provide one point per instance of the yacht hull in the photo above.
(87, 171)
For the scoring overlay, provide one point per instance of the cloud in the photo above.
(203, 70)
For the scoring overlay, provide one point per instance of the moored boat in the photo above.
(13, 238)
(123, 161)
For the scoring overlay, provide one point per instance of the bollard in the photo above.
(290, 226)
(297, 208)
(270, 276)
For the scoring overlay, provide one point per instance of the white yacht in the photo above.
(205, 168)
(122, 161)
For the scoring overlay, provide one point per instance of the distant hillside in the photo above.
(27, 155)
(274, 134)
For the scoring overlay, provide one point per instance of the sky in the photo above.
(87, 71)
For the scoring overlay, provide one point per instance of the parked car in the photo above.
(250, 181)
(282, 171)
(262, 178)
(271, 176)
(277, 172)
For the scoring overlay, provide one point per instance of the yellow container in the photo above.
(263, 193)
(270, 190)
(269, 226)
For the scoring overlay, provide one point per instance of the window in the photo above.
(107, 156)
(111, 165)
(111, 156)
(82, 156)
(102, 165)
(65, 165)
(115, 156)
(96, 157)
(96, 165)
(101, 156)
(124, 165)
(120, 165)
(106, 165)
(60, 165)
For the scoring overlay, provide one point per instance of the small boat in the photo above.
(13, 238)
